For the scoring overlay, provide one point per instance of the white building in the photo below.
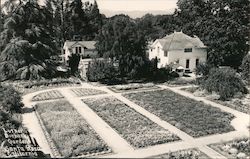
(179, 49)
(86, 49)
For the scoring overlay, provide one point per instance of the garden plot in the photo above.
(81, 92)
(69, 131)
(193, 117)
(138, 130)
(49, 95)
(132, 87)
(239, 148)
(184, 154)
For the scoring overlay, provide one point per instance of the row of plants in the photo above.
(239, 148)
(138, 130)
(81, 92)
(239, 102)
(71, 134)
(184, 154)
(49, 95)
(133, 86)
(30, 86)
(193, 117)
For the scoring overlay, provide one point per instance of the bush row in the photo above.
(108, 72)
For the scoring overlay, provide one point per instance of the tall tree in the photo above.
(28, 43)
(221, 24)
(121, 40)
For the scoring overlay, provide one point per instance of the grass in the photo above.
(69, 131)
(49, 95)
(238, 148)
(183, 154)
(138, 130)
(193, 117)
(81, 92)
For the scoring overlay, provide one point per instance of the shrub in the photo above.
(225, 82)
(10, 100)
(203, 69)
(245, 67)
(101, 70)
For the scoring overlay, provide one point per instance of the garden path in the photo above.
(119, 145)
(31, 122)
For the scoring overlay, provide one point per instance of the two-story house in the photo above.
(179, 49)
(86, 49)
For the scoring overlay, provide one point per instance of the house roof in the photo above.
(179, 40)
(88, 44)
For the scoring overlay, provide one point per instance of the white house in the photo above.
(86, 49)
(179, 49)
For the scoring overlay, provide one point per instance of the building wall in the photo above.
(159, 53)
(84, 52)
(177, 55)
(181, 56)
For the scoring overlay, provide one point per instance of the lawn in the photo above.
(184, 154)
(47, 96)
(138, 130)
(81, 92)
(193, 117)
(71, 134)
(239, 148)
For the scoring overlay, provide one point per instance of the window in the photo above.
(158, 50)
(187, 63)
(80, 49)
(197, 62)
(63, 51)
(166, 53)
(76, 50)
(188, 50)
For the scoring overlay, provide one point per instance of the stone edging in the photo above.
(52, 146)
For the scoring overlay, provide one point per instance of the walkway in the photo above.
(120, 146)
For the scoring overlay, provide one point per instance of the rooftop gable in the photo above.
(87, 44)
(179, 40)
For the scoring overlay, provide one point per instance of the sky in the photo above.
(146, 6)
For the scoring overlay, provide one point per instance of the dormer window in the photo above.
(188, 50)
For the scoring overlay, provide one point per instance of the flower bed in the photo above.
(132, 86)
(240, 103)
(81, 92)
(184, 154)
(135, 128)
(69, 131)
(239, 148)
(193, 117)
(49, 95)
(26, 87)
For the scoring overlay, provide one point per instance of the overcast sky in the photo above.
(134, 5)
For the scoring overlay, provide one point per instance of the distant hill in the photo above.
(136, 14)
